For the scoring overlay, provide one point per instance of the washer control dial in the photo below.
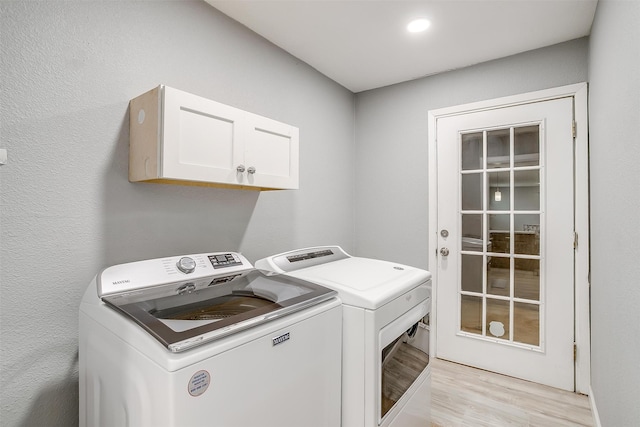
(186, 265)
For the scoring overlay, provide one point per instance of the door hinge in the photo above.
(574, 128)
(575, 352)
(575, 240)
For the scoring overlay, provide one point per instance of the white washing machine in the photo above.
(386, 377)
(207, 340)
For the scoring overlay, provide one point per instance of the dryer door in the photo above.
(402, 362)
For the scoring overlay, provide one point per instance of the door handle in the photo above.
(444, 251)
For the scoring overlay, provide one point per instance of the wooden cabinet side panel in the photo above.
(144, 136)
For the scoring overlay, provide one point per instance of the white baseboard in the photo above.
(594, 409)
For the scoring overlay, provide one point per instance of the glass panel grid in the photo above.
(472, 151)
(507, 256)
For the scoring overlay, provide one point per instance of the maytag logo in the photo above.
(282, 338)
(121, 282)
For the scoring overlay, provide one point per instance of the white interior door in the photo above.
(505, 223)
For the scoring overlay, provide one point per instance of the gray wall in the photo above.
(614, 120)
(392, 141)
(68, 70)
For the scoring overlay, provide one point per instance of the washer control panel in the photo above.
(224, 260)
(139, 275)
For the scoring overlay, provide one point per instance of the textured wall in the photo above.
(614, 120)
(67, 72)
(392, 141)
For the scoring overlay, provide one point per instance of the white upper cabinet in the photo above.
(180, 138)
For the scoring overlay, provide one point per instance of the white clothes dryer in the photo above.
(386, 377)
(207, 340)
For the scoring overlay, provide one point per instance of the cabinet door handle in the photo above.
(240, 168)
(251, 170)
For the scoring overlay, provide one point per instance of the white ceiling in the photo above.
(363, 44)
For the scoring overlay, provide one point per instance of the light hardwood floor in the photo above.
(464, 396)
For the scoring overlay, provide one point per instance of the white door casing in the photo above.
(563, 170)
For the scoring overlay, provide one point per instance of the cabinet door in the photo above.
(202, 139)
(271, 153)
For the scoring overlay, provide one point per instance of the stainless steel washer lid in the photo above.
(360, 282)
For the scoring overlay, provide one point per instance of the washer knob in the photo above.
(186, 265)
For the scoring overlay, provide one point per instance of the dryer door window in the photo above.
(402, 364)
(403, 357)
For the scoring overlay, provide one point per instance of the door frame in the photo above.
(582, 366)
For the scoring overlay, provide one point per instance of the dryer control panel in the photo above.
(302, 258)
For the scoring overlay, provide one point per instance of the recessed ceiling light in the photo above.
(418, 25)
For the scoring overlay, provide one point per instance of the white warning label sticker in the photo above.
(199, 383)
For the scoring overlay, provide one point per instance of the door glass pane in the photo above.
(472, 232)
(526, 323)
(471, 314)
(499, 192)
(527, 234)
(472, 151)
(498, 276)
(471, 276)
(497, 318)
(498, 148)
(472, 192)
(527, 190)
(499, 223)
(526, 146)
(499, 233)
(527, 279)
